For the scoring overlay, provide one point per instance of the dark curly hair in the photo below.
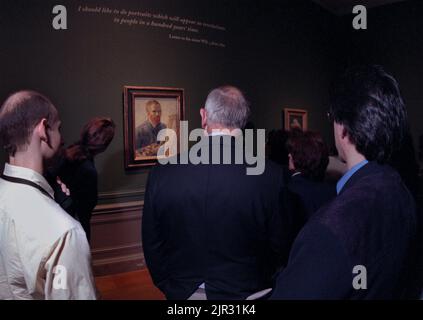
(309, 153)
(367, 102)
(96, 135)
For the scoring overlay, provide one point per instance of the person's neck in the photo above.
(27, 160)
(219, 129)
(354, 158)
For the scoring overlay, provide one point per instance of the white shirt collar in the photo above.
(223, 132)
(28, 174)
(218, 133)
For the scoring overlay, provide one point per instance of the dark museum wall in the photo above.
(279, 53)
(394, 40)
(292, 59)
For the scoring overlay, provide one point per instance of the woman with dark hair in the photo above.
(308, 159)
(78, 172)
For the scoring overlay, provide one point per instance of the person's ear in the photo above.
(339, 131)
(42, 131)
(343, 132)
(203, 114)
(291, 164)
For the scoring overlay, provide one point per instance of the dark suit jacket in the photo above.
(214, 224)
(308, 196)
(370, 223)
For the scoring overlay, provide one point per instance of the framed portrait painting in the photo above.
(147, 111)
(295, 119)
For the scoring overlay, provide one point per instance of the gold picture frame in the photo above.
(147, 110)
(295, 119)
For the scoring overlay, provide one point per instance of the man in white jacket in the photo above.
(44, 253)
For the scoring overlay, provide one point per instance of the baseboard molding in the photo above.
(121, 196)
(100, 212)
(117, 259)
(116, 238)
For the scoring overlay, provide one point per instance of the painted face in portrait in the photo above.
(295, 123)
(154, 114)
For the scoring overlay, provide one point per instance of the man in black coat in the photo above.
(212, 231)
(362, 245)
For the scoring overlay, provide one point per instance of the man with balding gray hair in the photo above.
(226, 108)
(210, 230)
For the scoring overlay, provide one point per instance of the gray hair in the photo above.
(227, 106)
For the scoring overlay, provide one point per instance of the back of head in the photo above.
(96, 136)
(227, 107)
(19, 115)
(367, 102)
(309, 153)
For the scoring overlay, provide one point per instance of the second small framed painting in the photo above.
(147, 110)
(295, 119)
